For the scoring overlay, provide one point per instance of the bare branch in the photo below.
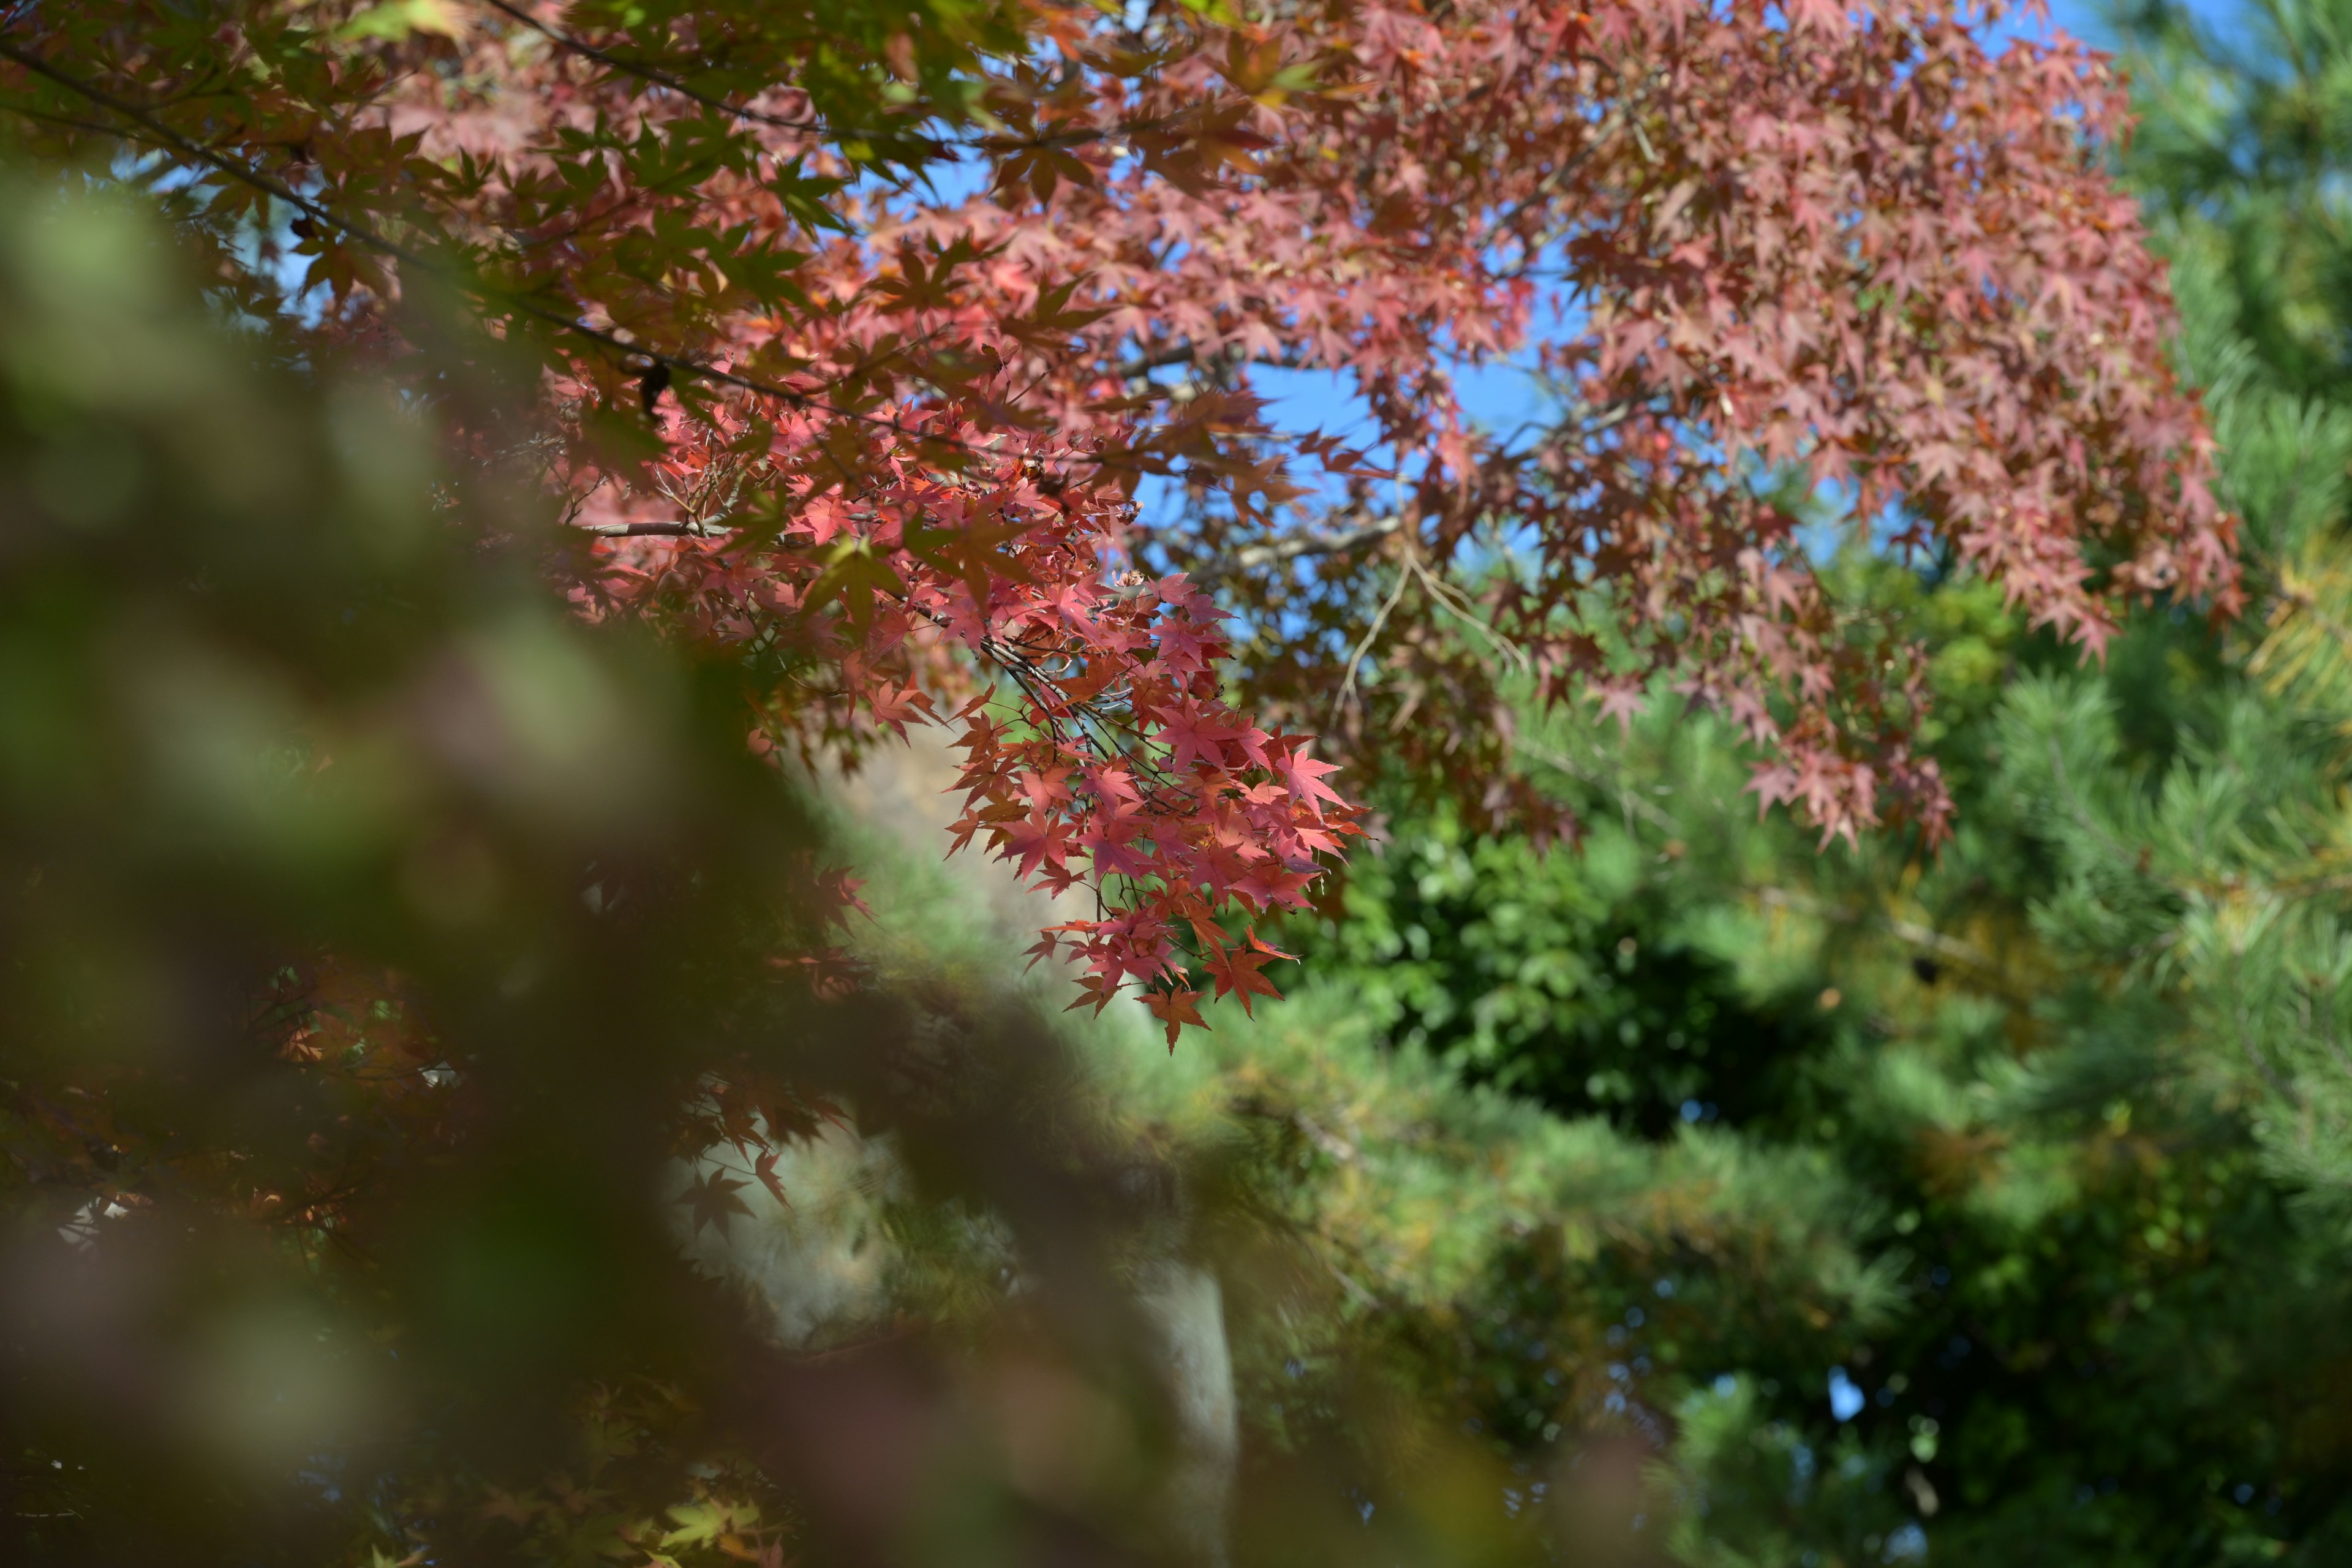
(661, 79)
(1249, 558)
(655, 530)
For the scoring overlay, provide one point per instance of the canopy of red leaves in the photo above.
(890, 444)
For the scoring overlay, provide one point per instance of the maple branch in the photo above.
(662, 79)
(812, 126)
(1252, 556)
(1143, 364)
(678, 364)
(1951, 949)
(1449, 599)
(653, 530)
(1611, 125)
(1347, 692)
(1629, 800)
(236, 170)
(244, 173)
(43, 117)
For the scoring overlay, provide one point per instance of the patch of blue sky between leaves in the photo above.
(1845, 1399)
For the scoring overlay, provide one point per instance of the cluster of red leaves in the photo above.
(1106, 762)
(1857, 247)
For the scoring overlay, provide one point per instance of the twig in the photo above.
(658, 77)
(1356, 659)
(1250, 557)
(1948, 947)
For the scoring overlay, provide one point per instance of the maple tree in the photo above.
(886, 425)
(864, 366)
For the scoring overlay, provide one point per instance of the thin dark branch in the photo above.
(653, 530)
(370, 239)
(662, 79)
(1249, 558)
(933, 144)
(1143, 364)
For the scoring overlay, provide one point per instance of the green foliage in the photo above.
(2245, 132)
(2092, 1296)
(1572, 978)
